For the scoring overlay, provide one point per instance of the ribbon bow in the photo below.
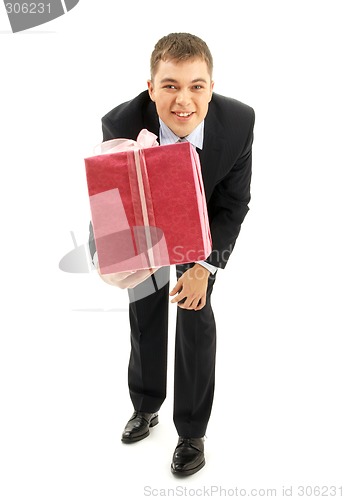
(145, 139)
(139, 182)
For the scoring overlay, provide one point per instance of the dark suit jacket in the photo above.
(225, 160)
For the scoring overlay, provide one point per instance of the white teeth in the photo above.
(183, 115)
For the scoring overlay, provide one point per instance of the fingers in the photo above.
(124, 275)
(201, 304)
(191, 290)
(181, 295)
(128, 279)
(139, 277)
(176, 289)
(190, 302)
(194, 305)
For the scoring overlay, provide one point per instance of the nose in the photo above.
(183, 98)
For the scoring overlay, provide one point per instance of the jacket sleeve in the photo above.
(107, 130)
(229, 205)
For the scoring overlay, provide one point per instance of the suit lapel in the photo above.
(151, 120)
(211, 156)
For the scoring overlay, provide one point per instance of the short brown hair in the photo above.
(180, 47)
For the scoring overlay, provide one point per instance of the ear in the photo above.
(211, 90)
(151, 90)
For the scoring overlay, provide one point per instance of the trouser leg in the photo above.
(194, 376)
(147, 370)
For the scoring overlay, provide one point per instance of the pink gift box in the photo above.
(148, 206)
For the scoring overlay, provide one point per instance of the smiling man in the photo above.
(182, 92)
(179, 104)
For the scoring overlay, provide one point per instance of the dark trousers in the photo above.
(195, 349)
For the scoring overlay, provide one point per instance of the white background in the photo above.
(279, 410)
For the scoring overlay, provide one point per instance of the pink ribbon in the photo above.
(139, 182)
(145, 139)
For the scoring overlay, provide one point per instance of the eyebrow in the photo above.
(172, 80)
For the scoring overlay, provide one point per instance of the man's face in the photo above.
(182, 92)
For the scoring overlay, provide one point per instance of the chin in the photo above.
(182, 131)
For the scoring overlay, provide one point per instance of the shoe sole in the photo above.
(153, 422)
(188, 472)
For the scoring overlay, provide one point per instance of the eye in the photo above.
(169, 87)
(197, 87)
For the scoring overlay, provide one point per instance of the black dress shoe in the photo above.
(188, 457)
(137, 427)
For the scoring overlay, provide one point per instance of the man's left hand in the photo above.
(191, 288)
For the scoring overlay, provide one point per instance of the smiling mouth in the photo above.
(182, 115)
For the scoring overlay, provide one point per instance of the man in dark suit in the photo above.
(180, 105)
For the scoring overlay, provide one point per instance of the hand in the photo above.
(191, 288)
(128, 279)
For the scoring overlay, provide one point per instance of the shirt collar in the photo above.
(169, 137)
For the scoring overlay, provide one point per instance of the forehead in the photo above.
(189, 70)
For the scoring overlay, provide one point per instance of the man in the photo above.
(179, 104)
